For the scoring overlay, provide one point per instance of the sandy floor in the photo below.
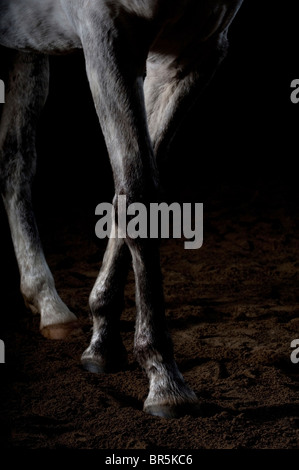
(232, 307)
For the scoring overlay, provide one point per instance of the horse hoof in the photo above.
(93, 366)
(100, 365)
(61, 330)
(173, 411)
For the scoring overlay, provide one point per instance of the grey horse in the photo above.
(146, 62)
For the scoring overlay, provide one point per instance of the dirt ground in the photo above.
(232, 308)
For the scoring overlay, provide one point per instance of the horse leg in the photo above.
(171, 88)
(116, 81)
(27, 90)
(106, 351)
(171, 91)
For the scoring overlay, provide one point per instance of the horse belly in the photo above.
(34, 25)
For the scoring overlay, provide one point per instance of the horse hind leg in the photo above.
(26, 94)
(106, 351)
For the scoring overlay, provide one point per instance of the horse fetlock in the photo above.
(56, 320)
(169, 396)
(104, 355)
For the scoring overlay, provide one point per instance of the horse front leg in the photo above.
(26, 94)
(116, 81)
